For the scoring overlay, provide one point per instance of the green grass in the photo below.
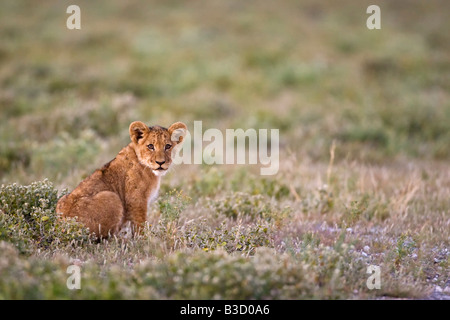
(312, 70)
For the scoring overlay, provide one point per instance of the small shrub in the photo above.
(241, 204)
(218, 275)
(172, 204)
(405, 246)
(244, 182)
(209, 183)
(240, 238)
(321, 200)
(356, 210)
(368, 207)
(28, 217)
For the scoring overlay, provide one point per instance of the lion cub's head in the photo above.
(154, 145)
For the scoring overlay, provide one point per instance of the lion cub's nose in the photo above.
(160, 162)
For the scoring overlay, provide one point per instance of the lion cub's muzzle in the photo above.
(160, 168)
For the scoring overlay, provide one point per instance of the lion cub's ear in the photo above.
(177, 132)
(137, 131)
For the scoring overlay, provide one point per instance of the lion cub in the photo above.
(121, 190)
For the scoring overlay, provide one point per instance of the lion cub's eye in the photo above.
(168, 146)
(151, 147)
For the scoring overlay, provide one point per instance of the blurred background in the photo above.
(311, 69)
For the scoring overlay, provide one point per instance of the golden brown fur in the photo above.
(119, 192)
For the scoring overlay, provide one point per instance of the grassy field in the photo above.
(364, 120)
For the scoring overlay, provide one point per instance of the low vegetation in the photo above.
(364, 119)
